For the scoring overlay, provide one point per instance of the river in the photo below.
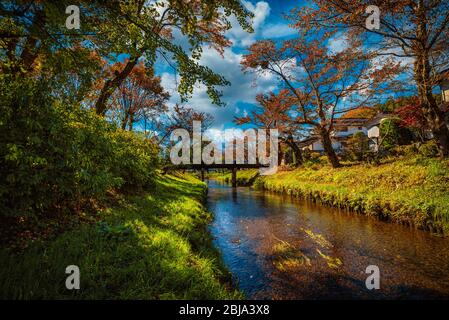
(280, 247)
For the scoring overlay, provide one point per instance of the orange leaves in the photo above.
(272, 112)
(360, 113)
(260, 55)
(140, 94)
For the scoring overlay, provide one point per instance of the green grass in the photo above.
(244, 177)
(151, 246)
(409, 190)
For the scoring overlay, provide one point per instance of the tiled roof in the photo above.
(349, 122)
(308, 141)
(377, 119)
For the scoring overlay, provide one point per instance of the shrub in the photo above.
(55, 155)
(407, 150)
(389, 133)
(135, 159)
(358, 146)
(315, 155)
(429, 149)
(323, 160)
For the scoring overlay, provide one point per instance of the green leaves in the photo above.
(62, 155)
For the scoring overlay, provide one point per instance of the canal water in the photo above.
(280, 247)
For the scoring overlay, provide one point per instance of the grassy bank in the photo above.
(411, 190)
(244, 177)
(151, 246)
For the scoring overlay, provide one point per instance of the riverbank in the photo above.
(412, 191)
(154, 245)
(245, 178)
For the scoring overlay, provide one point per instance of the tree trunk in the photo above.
(328, 149)
(433, 114)
(131, 122)
(296, 150)
(111, 85)
(125, 121)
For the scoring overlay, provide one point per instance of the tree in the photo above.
(151, 27)
(411, 117)
(272, 112)
(389, 134)
(32, 31)
(322, 84)
(358, 145)
(417, 29)
(139, 97)
(361, 113)
(182, 117)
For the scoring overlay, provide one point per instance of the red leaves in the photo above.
(411, 116)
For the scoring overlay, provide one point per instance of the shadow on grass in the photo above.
(154, 246)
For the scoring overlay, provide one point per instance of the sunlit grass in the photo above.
(244, 177)
(334, 263)
(153, 246)
(409, 190)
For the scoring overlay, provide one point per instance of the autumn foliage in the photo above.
(318, 84)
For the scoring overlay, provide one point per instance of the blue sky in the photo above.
(268, 23)
(240, 95)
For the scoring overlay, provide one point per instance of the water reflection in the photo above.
(280, 247)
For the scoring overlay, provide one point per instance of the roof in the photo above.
(376, 120)
(350, 122)
(360, 113)
(308, 141)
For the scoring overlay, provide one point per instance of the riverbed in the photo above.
(280, 247)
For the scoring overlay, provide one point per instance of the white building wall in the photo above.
(445, 91)
(351, 130)
(373, 132)
(318, 146)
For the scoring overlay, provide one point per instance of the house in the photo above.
(344, 129)
(373, 129)
(444, 85)
(313, 143)
(443, 81)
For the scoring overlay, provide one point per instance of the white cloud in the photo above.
(261, 11)
(242, 88)
(240, 37)
(277, 30)
(338, 43)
